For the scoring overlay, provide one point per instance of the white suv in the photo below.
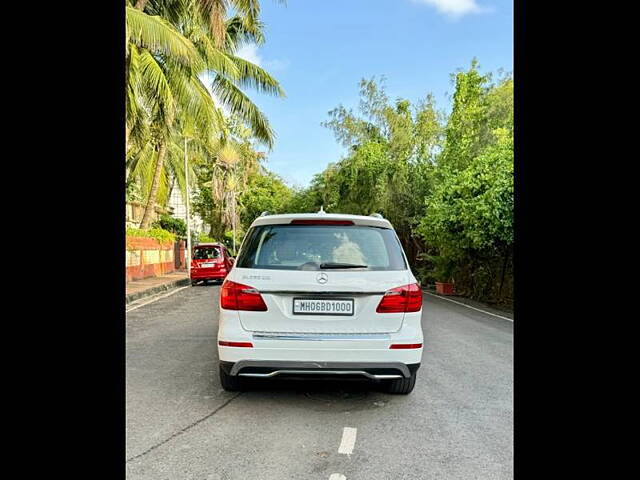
(321, 293)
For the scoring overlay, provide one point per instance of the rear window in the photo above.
(306, 247)
(206, 253)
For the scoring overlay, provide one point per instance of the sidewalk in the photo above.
(150, 286)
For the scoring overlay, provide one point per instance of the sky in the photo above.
(320, 49)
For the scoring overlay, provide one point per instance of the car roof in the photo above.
(286, 218)
(208, 244)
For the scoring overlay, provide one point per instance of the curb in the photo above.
(157, 289)
(466, 302)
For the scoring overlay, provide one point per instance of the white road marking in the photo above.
(348, 440)
(337, 476)
(157, 298)
(469, 306)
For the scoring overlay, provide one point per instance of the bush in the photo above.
(204, 238)
(159, 234)
(174, 225)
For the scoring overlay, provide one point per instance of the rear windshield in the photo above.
(205, 253)
(315, 247)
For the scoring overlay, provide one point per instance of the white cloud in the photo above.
(250, 53)
(454, 8)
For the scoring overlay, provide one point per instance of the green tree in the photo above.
(265, 191)
(389, 166)
(445, 183)
(468, 222)
(469, 218)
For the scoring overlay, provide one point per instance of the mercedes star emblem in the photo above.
(322, 278)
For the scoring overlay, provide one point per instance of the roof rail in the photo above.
(377, 215)
(265, 213)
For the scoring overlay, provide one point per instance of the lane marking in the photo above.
(468, 306)
(337, 476)
(156, 298)
(348, 440)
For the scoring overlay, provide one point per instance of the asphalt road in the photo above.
(457, 423)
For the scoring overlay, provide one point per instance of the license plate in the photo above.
(318, 306)
(207, 265)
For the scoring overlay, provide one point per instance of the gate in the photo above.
(178, 255)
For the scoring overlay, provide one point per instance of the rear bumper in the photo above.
(272, 368)
(320, 350)
(208, 275)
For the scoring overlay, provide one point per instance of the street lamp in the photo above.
(186, 183)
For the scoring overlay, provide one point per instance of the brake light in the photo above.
(236, 296)
(404, 346)
(321, 222)
(407, 298)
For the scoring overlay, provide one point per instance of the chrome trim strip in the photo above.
(319, 372)
(311, 294)
(321, 337)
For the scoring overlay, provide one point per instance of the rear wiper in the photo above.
(341, 265)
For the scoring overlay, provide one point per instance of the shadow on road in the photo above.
(332, 396)
(209, 283)
(339, 388)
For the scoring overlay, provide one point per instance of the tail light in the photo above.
(407, 298)
(236, 296)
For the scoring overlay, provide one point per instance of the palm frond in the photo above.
(195, 101)
(160, 37)
(157, 85)
(214, 58)
(251, 75)
(239, 32)
(215, 11)
(239, 104)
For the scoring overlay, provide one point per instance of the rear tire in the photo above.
(193, 283)
(230, 383)
(401, 386)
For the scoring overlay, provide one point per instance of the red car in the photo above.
(211, 261)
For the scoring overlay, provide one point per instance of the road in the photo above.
(457, 423)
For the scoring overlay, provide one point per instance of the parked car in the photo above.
(321, 294)
(210, 261)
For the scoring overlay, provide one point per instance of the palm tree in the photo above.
(165, 56)
(145, 82)
(217, 41)
(162, 78)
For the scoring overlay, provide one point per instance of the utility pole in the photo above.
(186, 182)
(234, 222)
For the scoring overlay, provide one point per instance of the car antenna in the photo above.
(321, 209)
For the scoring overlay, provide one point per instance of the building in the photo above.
(179, 210)
(135, 210)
